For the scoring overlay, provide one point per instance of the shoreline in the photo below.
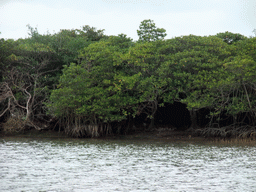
(160, 134)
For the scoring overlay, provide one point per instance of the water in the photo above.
(124, 165)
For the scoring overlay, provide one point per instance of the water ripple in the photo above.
(102, 165)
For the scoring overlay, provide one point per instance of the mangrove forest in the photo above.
(87, 84)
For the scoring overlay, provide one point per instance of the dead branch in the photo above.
(8, 108)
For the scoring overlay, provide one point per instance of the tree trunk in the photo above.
(193, 117)
(152, 124)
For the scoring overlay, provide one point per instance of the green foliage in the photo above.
(31, 67)
(225, 81)
(93, 89)
(122, 41)
(189, 63)
(89, 78)
(122, 78)
(143, 60)
(6, 55)
(231, 38)
(91, 33)
(149, 32)
(66, 43)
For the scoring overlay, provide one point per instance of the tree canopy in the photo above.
(88, 80)
(149, 32)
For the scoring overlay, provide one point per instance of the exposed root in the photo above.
(88, 130)
(242, 132)
(13, 125)
(17, 125)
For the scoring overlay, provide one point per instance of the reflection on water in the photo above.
(124, 165)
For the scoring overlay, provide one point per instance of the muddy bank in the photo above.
(157, 134)
(35, 133)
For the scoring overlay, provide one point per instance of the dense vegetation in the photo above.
(90, 84)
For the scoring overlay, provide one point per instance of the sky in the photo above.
(177, 17)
